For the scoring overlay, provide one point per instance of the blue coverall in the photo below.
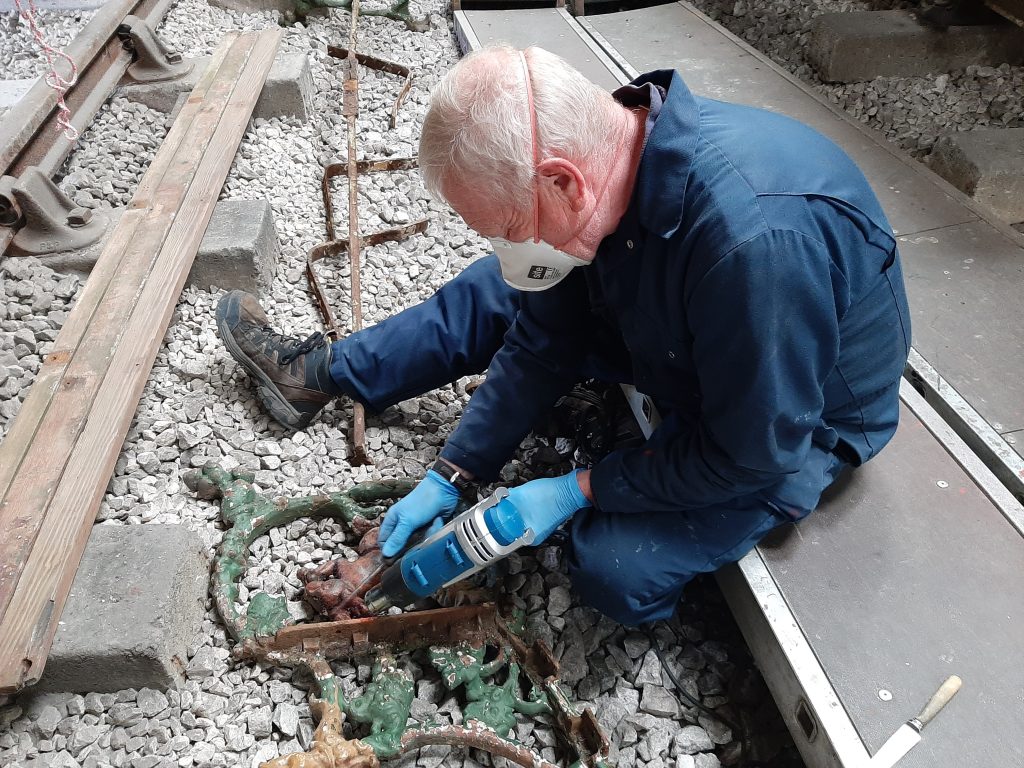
(752, 289)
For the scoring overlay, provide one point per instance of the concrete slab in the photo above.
(862, 45)
(543, 27)
(986, 163)
(137, 601)
(963, 285)
(239, 250)
(288, 91)
(11, 91)
(1016, 440)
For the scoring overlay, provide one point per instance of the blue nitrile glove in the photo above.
(547, 503)
(432, 497)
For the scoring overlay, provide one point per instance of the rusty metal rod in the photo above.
(475, 735)
(381, 65)
(350, 109)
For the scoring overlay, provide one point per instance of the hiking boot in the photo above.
(292, 375)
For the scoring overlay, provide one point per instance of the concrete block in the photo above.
(11, 91)
(284, 7)
(136, 603)
(987, 164)
(239, 250)
(862, 45)
(288, 91)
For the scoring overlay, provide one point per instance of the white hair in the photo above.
(477, 130)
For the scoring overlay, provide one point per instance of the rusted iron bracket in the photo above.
(44, 219)
(353, 242)
(380, 65)
(153, 62)
(458, 639)
(332, 248)
(359, 637)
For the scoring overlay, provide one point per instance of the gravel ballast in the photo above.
(198, 406)
(911, 111)
(21, 58)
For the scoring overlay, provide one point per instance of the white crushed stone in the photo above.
(20, 55)
(198, 406)
(911, 111)
(113, 153)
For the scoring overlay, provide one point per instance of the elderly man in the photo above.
(735, 267)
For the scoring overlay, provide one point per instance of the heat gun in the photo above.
(483, 534)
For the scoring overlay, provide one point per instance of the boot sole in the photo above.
(274, 403)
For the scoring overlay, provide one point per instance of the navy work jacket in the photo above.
(754, 289)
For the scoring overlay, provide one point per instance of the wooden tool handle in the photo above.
(941, 698)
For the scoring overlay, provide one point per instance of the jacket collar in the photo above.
(672, 130)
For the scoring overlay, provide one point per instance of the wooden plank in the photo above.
(47, 380)
(30, 491)
(31, 619)
(190, 110)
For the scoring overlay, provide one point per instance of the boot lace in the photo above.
(293, 348)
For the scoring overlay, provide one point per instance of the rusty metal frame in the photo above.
(311, 644)
(381, 65)
(331, 248)
(354, 240)
(268, 634)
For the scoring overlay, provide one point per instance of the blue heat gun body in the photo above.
(485, 533)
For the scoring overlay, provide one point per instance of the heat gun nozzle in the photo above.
(377, 601)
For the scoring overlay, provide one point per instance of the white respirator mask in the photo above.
(533, 266)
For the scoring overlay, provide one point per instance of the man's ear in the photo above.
(560, 177)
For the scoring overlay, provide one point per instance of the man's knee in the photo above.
(629, 593)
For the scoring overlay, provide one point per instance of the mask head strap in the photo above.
(533, 143)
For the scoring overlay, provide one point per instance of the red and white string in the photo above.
(60, 84)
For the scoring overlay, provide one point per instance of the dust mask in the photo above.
(533, 266)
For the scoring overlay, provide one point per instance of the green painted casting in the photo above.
(385, 705)
(250, 514)
(493, 705)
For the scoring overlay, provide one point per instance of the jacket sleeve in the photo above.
(765, 324)
(540, 361)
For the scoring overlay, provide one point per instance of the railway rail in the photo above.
(118, 40)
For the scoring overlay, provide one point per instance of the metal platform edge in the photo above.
(958, 416)
(619, 68)
(822, 729)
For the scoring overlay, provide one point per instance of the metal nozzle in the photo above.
(376, 601)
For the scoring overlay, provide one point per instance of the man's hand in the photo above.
(547, 503)
(433, 497)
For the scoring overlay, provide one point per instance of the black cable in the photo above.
(736, 728)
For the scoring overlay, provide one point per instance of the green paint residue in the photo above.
(493, 705)
(250, 515)
(385, 706)
(266, 615)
